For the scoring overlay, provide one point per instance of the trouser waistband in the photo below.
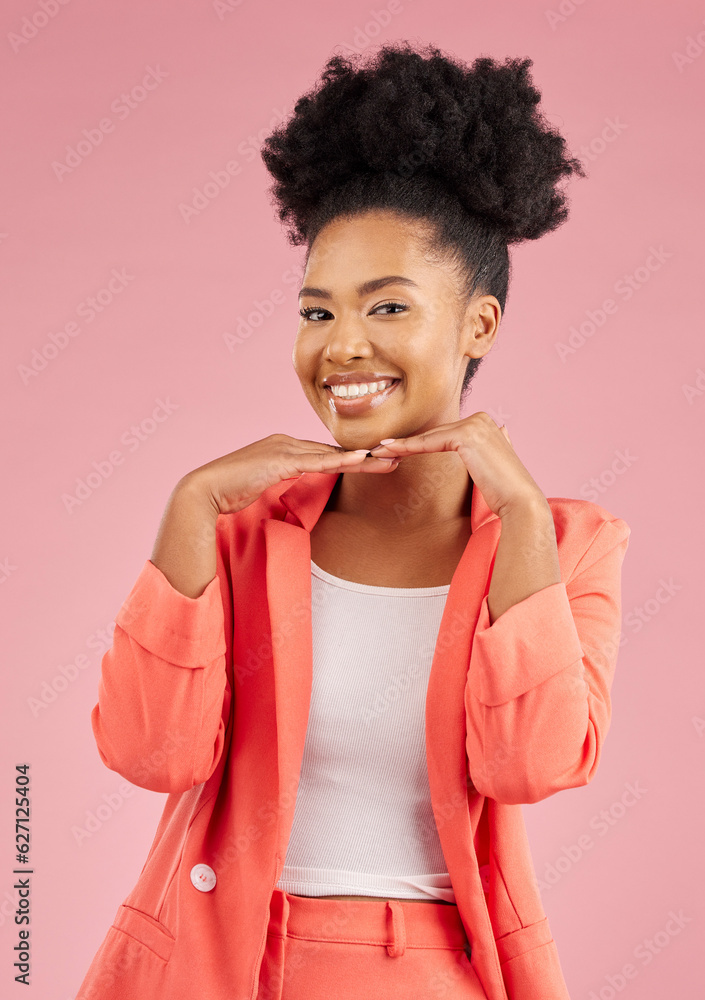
(394, 923)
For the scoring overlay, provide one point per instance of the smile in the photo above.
(359, 397)
(359, 388)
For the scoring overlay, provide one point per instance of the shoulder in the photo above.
(585, 531)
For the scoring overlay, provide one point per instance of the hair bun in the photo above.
(477, 129)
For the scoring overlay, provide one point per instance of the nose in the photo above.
(346, 342)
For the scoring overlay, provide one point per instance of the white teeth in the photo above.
(359, 389)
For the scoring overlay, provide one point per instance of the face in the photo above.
(378, 309)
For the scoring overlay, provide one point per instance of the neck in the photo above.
(422, 491)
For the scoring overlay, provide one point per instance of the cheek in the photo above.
(299, 358)
(306, 369)
(426, 350)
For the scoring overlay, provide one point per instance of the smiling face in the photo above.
(376, 305)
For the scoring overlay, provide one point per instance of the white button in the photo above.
(203, 877)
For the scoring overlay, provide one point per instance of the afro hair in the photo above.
(465, 148)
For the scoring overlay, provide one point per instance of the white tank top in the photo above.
(363, 822)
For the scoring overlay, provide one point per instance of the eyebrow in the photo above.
(364, 289)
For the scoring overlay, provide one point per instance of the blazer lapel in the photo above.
(446, 733)
(288, 576)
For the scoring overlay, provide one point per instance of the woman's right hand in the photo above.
(236, 480)
(185, 547)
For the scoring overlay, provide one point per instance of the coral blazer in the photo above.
(207, 699)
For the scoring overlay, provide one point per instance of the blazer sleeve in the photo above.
(537, 694)
(163, 693)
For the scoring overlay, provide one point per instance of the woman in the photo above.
(349, 664)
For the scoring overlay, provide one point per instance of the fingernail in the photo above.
(387, 440)
(361, 451)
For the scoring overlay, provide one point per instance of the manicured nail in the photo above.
(387, 440)
(361, 451)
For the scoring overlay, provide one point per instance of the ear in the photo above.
(480, 325)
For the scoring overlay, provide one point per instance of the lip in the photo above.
(352, 378)
(360, 404)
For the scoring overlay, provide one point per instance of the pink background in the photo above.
(221, 78)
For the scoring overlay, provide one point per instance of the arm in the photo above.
(163, 694)
(526, 558)
(537, 697)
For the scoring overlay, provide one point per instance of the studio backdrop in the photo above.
(149, 311)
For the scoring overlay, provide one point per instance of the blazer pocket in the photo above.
(530, 964)
(145, 929)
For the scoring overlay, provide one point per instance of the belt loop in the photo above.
(398, 945)
(285, 915)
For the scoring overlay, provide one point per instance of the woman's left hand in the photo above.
(486, 449)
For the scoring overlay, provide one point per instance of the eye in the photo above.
(385, 305)
(306, 313)
(308, 310)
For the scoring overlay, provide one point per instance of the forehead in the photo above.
(348, 250)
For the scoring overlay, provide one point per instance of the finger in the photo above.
(361, 455)
(383, 465)
(414, 445)
(367, 461)
(367, 464)
(319, 446)
(303, 444)
(352, 461)
(397, 445)
(332, 450)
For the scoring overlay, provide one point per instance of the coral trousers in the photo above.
(317, 949)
